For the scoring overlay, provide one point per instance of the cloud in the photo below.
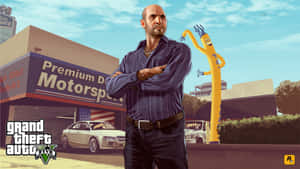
(99, 27)
(232, 12)
(283, 14)
(186, 12)
(206, 7)
(116, 6)
(291, 39)
(223, 7)
(164, 4)
(236, 19)
(49, 18)
(269, 5)
(269, 47)
(207, 22)
(211, 13)
(121, 19)
(265, 18)
(70, 18)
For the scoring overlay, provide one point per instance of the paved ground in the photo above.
(224, 156)
(107, 157)
(28, 162)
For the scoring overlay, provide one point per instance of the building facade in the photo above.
(240, 90)
(243, 100)
(205, 89)
(47, 77)
(7, 24)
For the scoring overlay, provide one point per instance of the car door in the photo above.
(83, 137)
(73, 134)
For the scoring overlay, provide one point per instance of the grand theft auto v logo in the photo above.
(29, 139)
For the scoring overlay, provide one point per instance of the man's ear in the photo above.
(142, 23)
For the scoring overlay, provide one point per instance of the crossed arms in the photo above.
(160, 78)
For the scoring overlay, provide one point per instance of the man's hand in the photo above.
(157, 69)
(116, 74)
(146, 73)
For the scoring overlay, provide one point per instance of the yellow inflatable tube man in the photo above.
(215, 71)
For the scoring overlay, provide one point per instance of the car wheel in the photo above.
(65, 144)
(199, 140)
(93, 145)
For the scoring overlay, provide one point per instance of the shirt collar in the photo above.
(143, 42)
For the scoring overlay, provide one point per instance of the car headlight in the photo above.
(109, 139)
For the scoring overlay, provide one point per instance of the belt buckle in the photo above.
(139, 123)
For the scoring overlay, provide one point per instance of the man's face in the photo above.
(155, 22)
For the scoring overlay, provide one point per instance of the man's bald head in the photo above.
(148, 7)
(154, 20)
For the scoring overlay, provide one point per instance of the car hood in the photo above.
(192, 131)
(108, 132)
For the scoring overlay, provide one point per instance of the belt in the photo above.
(148, 125)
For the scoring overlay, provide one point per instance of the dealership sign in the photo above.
(51, 78)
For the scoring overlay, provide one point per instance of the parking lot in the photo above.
(74, 160)
(106, 157)
(204, 156)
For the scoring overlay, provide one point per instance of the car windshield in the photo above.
(101, 126)
(195, 125)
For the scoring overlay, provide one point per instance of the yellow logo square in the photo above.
(289, 159)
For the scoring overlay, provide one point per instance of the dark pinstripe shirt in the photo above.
(160, 96)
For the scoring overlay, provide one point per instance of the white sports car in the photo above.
(94, 135)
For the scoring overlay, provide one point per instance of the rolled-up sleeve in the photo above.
(173, 76)
(117, 86)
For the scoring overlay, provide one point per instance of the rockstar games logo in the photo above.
(289, 159)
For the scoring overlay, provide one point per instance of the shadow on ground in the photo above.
(86, 151)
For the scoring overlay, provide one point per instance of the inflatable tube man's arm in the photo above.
(222, 60)
(188, 32)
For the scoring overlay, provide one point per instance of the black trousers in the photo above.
(163, 147)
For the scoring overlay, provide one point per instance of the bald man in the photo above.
(152, 78)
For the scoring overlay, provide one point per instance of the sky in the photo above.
(259, 39)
